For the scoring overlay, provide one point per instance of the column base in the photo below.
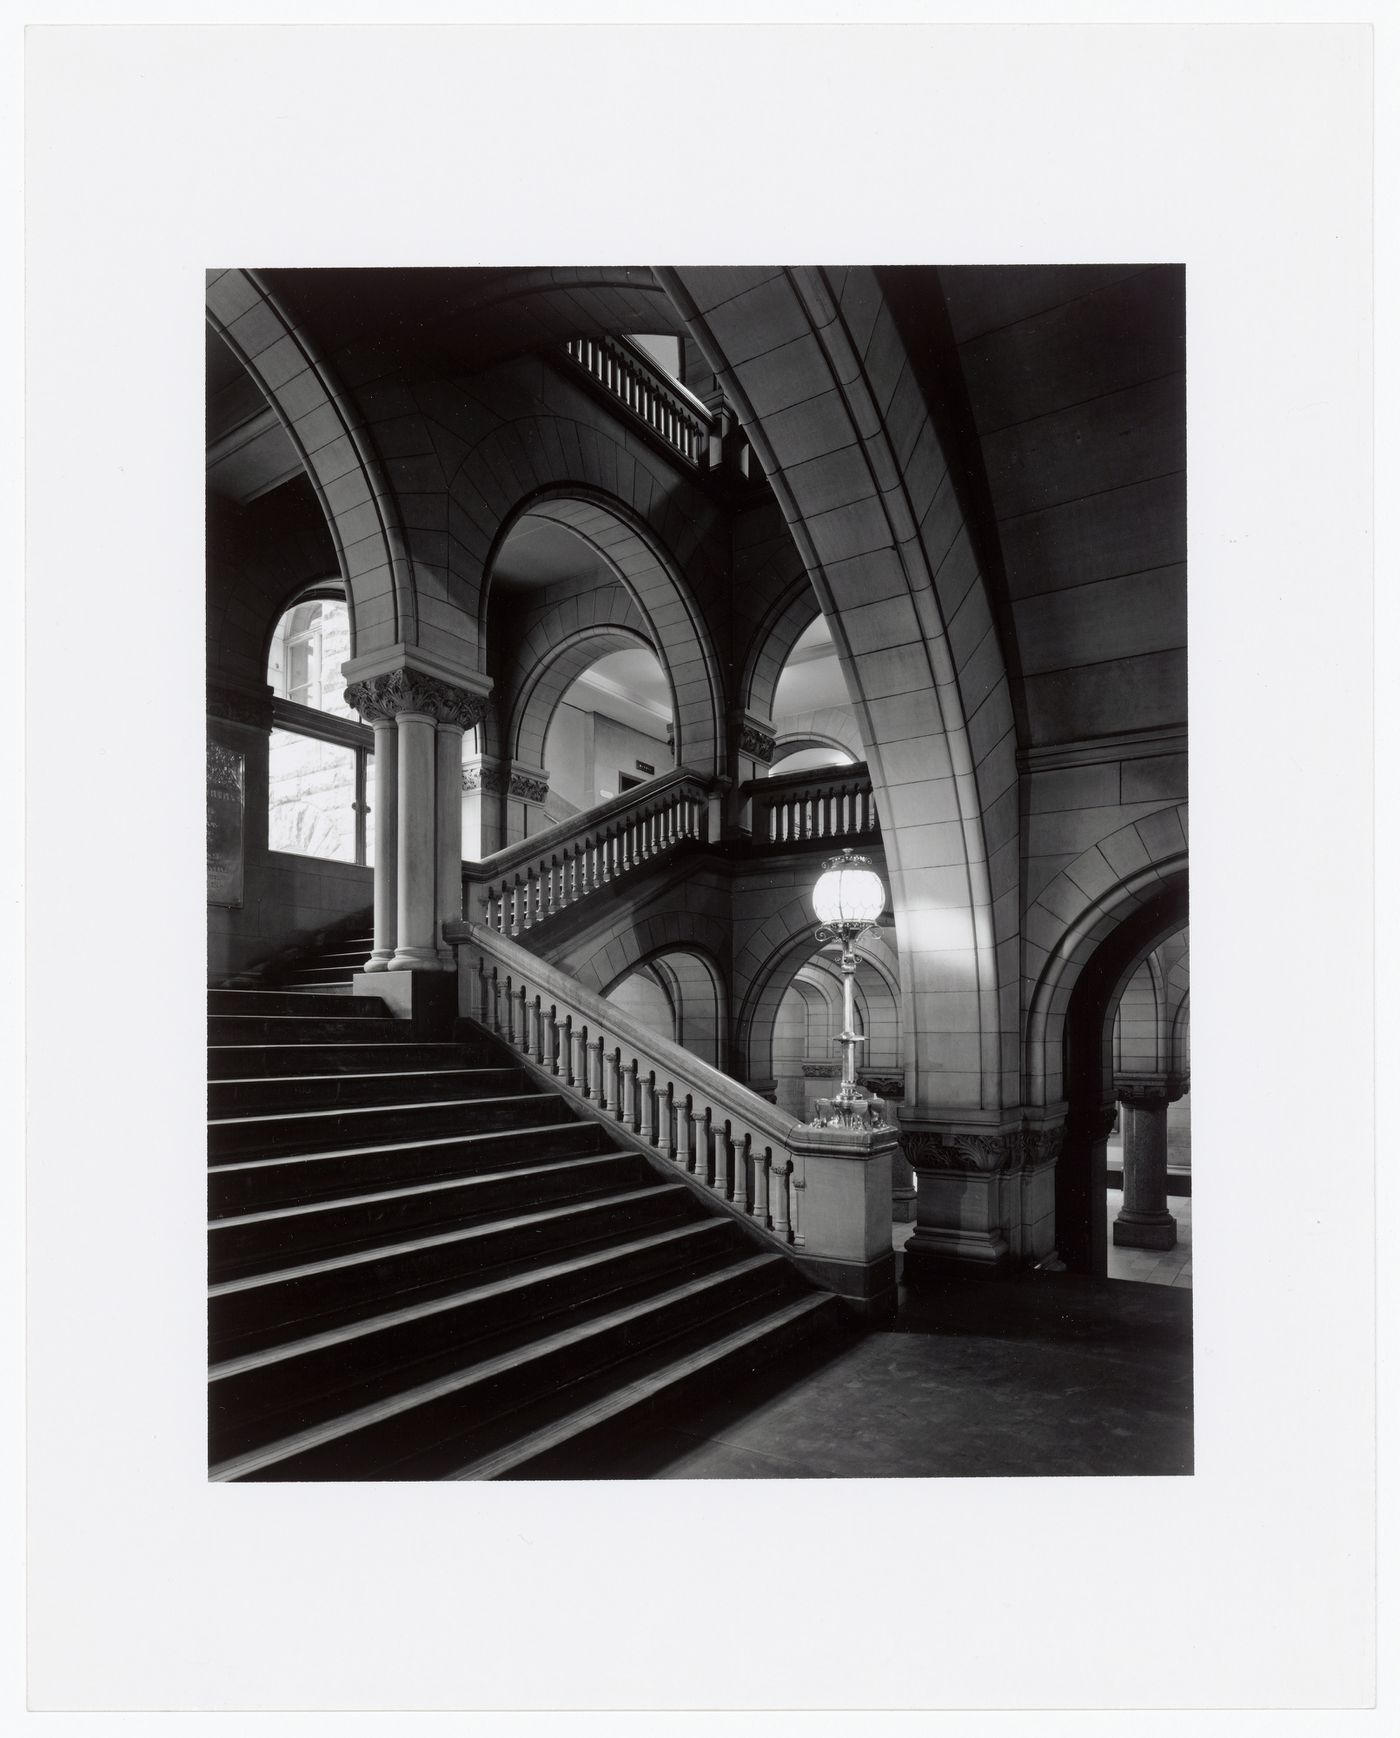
(377, 962)
(932, 1255)
(417, 959)
(1144, 1231)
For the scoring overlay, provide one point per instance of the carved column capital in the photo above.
(380, 698)
(487, 776)
(1147, 1091)
(755, 736)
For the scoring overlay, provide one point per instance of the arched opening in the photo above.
(813, 719)
(611, 730)
(1081, 1175)
(680, 994)
(320, 757)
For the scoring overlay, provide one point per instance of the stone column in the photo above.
(449, 833)
(1144, 1222)
(419, 719)
(416, 946)
(386, 837)
(526, 789)
(752, 741)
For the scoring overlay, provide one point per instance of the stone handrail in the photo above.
(823, 1192)
(830, 802)
(514, 889)
(626, 372)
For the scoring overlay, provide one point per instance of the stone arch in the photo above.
(772, 643)
(543, 631)
(827, 725)
(337, 450)
(652, 575)
(1073, 915)
(817, 372)
(695, 987)
(790, 745)
(1130, 927)
(1181, 1037)
(538, 699)
(758, 1011)
(625, 946)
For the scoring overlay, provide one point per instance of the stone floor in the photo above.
(1034, 1376)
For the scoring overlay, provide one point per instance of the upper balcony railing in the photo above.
(800, 808)
(515, 889)
(629, 375)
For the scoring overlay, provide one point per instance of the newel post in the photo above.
(847, 1220)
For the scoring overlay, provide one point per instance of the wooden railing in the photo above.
(726, 1138)
(833, 802)
(630, 376)
(515, 889)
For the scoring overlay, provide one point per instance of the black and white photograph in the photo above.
(763, 1111)
(698, 872)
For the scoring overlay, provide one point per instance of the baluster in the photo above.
(627, 1115)
(742, 1151)
(481, 991)
(595, 1069)
(537, 1031)
(646, 1105)
(522, 1030)
(778, 1197)
(723, 1160)
(612, 1097)
(508, 1031)
(604, 866)
(684, 1133)
(578, 1060)
(705, 1157)
(495, 999)
(665, 1140)
(551, 1055)
(759, 1210)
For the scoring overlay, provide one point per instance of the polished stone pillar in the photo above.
(416, 946)
(386, 841)
(449, 833)
(1144, 1222)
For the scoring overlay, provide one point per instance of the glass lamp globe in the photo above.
(848, 892)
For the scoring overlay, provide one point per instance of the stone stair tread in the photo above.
(475, 1373)
(491, 1228)
(613, 1404)
(320, 1112)
(303, 1209)
(355, 1152)
(370, 1074)
(501, 1287)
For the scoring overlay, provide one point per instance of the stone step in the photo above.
(437, 1419)
(277, 1237)
(305, 1131)
(258, 1311)
(301, 1004)
(293, 1028)
(560, 1437)
(255, 1185)
(267, 1094)
(281, 1061)
(275, 1392)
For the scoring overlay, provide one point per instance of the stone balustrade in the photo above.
(829, 803)
(822, 1195)
(515, 889)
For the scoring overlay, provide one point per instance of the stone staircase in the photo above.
(425, 1264)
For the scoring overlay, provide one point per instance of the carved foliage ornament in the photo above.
(534, 790)
(882, 1085)
(757, 744)
(380, 698)
(1009, 1150)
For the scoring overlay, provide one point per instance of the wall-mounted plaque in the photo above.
(223, 824)
(644, 766)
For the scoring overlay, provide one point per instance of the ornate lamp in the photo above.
(848, 898)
